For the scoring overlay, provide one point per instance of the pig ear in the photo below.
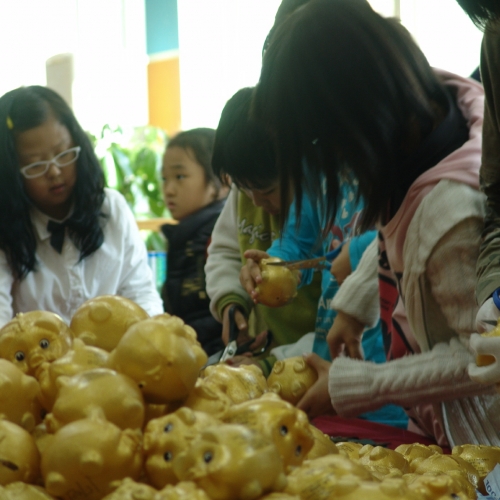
(5, 382)
(100, 312)
(134, 408)
(201, 355)
(56, 483)
(91, 462)
(50, 324)
(88, 337)
(96, 413)
(28, 421)
(62, 381)
(30, 386)
(187, 415)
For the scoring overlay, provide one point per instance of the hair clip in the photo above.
(10, 125)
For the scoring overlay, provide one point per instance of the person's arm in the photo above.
(6, 281)
(346, 332)
(488, 264)
(358, 386)
(358, 296)
(297, 242)
(222, 269)
(136, 281)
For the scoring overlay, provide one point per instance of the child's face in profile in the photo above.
(267, 198)
(185, 189)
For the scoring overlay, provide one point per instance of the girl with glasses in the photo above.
(64, 237)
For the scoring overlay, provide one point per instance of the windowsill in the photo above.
(155, 223)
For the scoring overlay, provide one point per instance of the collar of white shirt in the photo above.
(40, 221)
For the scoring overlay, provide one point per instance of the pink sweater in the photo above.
(428, 251)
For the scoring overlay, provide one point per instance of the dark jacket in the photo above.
(184, 292)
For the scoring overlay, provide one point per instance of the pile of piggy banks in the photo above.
(120, 406)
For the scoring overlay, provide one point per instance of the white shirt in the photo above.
(61, 284)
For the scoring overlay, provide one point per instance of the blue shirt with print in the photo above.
(308, 239)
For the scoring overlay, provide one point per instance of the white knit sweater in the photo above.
(440, 254)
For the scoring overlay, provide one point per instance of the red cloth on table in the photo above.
(364, 430)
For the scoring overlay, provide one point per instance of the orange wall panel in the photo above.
(165, 95)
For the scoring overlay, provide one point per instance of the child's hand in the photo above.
(250, 275)
(241, 323)
(341, 266)
(316, 401)
(345, 336)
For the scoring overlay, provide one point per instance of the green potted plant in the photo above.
(131, 161)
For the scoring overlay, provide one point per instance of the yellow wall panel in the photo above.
(164, 95)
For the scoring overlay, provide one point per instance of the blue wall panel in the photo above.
(162, 31)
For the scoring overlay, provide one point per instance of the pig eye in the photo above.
(284, 430)
(207, 456)
(44, 343)
(167, 456)
(168, 427)
(298, 450)
(19, 356)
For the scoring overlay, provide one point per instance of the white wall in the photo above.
(444, 32)
(107, 39)
(220, 51)
(220, 44)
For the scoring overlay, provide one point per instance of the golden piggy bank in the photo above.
(291, 378)
(208, 398)
(382, 462)
(129, 489)
(240, 383)
(322, 476)
(24, 491)
(464, 474)
(182, 491)
(483, 458)
(232, 462)
(161, 357)
(322, 446)
(78, 359)
(102, 321)
(279, 284)
(114, 395)
(86, 458)
(166, 437)
(19, 457)
(283, 424)
(417, 452)
(19, 395)
(32, 338)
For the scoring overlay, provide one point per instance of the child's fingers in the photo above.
(254, 270)
(259, 341)
(240, 319)
(256, 255)
(246, 279)
(353, 348)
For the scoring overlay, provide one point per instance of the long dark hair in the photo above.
(20, 110)
(243, 149)
(481, 11)
(284, 10)
(349, 92)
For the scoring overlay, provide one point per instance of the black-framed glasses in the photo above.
(40, 168)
